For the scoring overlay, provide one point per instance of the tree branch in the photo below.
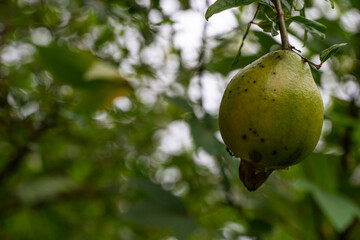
(13, 164)
(281, 23)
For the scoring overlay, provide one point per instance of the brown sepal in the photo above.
(251, 176)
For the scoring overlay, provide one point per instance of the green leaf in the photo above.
(310, 25)
(273, 28)
(286, 6)
(298, 4)
(327, 53)
(66, 65)
(269, 27)
(99, 81)
(340, 210)
(221, 5)
(77, 68)
(265, 25)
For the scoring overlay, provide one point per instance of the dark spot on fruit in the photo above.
(254, 82)
(230, 91)
(254, 132)
(274, 152)
(262, 140)
(262, 66)
(255, 156)
(245, 89)
(244, 136)
(274, 73)
(280, 57)
(273, 100)
(265, 98)
(250, 129)
(274, 90)
(242, 76)
(248, 81)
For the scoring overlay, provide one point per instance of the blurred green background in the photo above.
(108, 124)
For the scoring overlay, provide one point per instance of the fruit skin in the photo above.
(271, 113)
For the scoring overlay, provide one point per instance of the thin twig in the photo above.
(282, 27)
(317, 66)
(236, 60)
(200, 68)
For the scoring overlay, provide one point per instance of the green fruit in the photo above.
(271, 115)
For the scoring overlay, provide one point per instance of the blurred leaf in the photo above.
(321, 169)
(99, 81)
(221, 5)
(298, 4)
(331, 2)
(310, 25)
(42, 188)
(260, 227)
(100, 94)
(27, 222)
(340, 210)
(148, 213)
(160, 209)
(158, 195)
(329, 52)
(100, 70)
(181, 102)
(66, 65)
(76, 67)
(203, 134)
(286, 6)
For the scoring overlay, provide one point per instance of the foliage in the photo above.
(106, 130)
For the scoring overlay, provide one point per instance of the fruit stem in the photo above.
(282, 27)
